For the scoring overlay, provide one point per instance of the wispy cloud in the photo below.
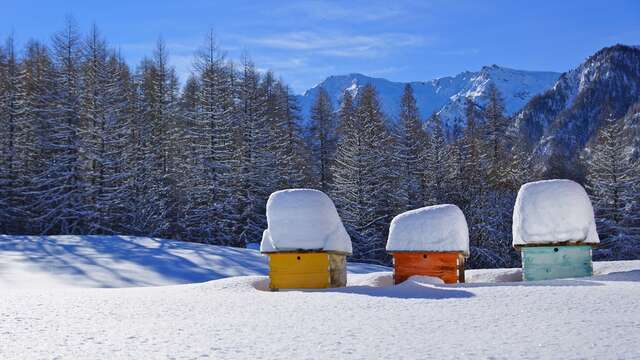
(459, 52)
(340, 45)
(345, 11)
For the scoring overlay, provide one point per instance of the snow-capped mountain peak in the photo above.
(565, 118)
(444, 95)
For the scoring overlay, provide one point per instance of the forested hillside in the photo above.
(92, 145)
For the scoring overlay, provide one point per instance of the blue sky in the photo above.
(306, 41)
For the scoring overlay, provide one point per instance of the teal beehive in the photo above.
(554, 228)
(556, 262)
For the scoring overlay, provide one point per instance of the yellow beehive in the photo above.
(306, 242)
(307, 270)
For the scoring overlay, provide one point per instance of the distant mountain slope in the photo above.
(566, 117)
(445, 95)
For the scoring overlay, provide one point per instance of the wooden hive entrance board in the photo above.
(556, 262)
(307, 270)
(447, 266)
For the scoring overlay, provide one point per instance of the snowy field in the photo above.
(126, 297)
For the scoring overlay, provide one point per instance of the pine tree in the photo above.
(323, 137)
(116, 146)
(250, 191)
(363, 185)
(612, 181)
(494, 135)
(478, 200)
(210, 190)
(105, 127)
(13, 138)
(438, 164)
(411, 141)
(61, 184)
(293, 156)
(36, 89)
(472, 159)
(158, 136)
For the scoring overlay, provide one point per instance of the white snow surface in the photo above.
(552, 212)
(123, 261)
(233, 318)
(432, 228)
(303, 219)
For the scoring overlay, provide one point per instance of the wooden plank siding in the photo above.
(444, 265)
(337, 270)
(556, 262)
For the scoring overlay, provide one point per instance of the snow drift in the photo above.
(303, 219)
(232, 319)
(432, 228)
(552, 212)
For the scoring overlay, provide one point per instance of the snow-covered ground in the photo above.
(50, 308)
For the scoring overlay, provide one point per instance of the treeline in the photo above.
(91, 146)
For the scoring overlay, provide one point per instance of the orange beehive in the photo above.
(430, 241)
(448, 266)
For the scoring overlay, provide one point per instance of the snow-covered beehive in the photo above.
(430, 241)
(306, 241)
(554, 228)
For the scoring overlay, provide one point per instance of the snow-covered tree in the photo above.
(495, 135)
(362, 184)
(410, 144)
(250, 192)
(62, 185)
(438, 164)
(105, 126)
(612, 181)
(157, 134)
(209, 186)
(323, 137)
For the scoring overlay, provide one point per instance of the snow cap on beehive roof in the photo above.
(439, 228)
(553, 212)
(303, 219)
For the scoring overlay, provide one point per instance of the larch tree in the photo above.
(14, 146)
(410, 145)
(212, 138)
(612, 181)
(438, 164)
(361, 178)
(251, 140)
(323, 137)
(494, 136)
(62, 185)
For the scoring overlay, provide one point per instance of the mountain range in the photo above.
(565, 118)
(555, 113)
(445, 95)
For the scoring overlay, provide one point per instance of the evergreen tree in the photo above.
(210, 189)
(363, 186)
(62, 184)
(411, 141)
(438, 164)
(293, 156)
(323, 137)
(13, 135)
(158, 136)
(36, 90)
(494, 135)
(104, 126)
(250, 191)
(612, 180)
